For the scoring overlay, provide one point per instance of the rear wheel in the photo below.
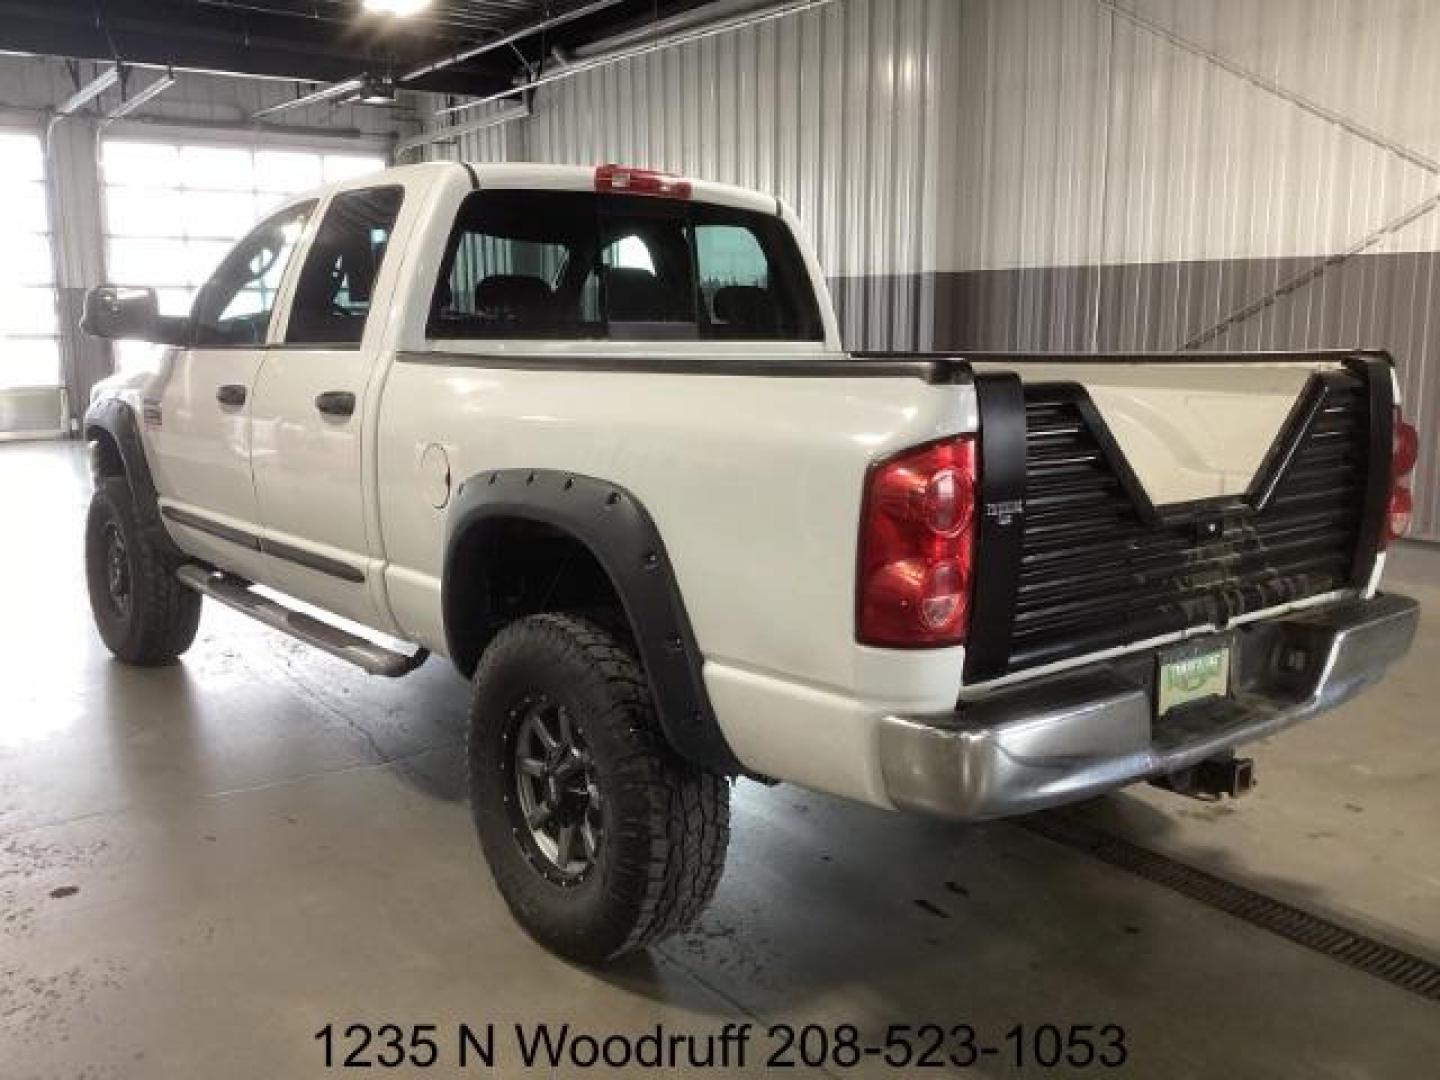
(143, 613)
(601, 839)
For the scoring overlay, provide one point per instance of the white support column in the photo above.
(73, 171)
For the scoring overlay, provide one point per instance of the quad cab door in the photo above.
(197, 418)
(309, 411)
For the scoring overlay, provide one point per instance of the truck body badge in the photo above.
(152, 414)
(1208, 529)
(1006, 511)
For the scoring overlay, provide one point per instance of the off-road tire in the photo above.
(160, 619)
(666, 821)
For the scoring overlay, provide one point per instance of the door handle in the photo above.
(336, 403)
(232, 394)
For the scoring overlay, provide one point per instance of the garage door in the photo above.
(31, 402)
(173, 209)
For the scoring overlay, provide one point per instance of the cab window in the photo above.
(234, 306)
(554, 264)
(508, 269)
(735, 282)
(645, 273)
(337, 281)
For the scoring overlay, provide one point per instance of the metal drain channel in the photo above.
(1403, 969)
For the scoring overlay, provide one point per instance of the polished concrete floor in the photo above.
(201, 866)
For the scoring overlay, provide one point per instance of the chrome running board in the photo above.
(236, 593)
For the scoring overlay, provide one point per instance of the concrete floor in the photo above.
(202, 865)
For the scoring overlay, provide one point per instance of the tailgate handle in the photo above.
(336, 403)
(231, 394)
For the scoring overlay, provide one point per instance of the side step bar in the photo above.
(236, 593)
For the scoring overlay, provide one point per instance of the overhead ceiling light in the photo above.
(398, 8)
(373, 91)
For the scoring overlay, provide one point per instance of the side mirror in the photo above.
(112, 312)
(116, 312)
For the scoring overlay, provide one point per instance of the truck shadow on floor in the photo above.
(236, 713)
(845, 915)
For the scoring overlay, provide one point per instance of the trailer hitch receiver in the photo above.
(1224, 774)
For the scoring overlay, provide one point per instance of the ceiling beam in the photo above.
(509, 38)
(776, 9)
(90, 91)
(315, 97)
(141, 97)
(202, 45)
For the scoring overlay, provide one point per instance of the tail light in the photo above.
(1402, 504)
(622, 179)
(917, 546)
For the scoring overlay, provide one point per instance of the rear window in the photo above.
(524, 264)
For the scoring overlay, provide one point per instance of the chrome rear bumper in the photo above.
(1078, 734)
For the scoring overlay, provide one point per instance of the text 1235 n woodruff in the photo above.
(735, 1045)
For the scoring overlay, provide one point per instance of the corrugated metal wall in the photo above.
(839, 110)
(1170, 174)
(503, 142)
(1072, 174)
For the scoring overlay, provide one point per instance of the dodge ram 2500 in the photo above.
(591, 435)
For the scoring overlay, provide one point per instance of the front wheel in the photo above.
(144, 614)
(601, 839)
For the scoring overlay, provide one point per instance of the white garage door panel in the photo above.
(30, 398)
(172, 210)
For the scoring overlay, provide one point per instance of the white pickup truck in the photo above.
(591, 434)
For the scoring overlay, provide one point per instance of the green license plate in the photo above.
(1193, 673)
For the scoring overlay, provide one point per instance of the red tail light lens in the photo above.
(1402, 505)
(917, 542)
(1407, 446)
(1398, 514)
(622, 179)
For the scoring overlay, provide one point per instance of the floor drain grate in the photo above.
(1405, 970)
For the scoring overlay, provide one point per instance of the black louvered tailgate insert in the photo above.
(1094, 574)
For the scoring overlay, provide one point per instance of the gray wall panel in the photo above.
(1170, 174)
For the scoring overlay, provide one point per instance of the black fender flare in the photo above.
(117, 420)
(620, 533)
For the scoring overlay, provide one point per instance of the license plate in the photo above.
(1192, 673)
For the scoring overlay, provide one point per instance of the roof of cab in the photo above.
(582, 178)
(525, 175)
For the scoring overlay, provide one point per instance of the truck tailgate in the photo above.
(1163, 496)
